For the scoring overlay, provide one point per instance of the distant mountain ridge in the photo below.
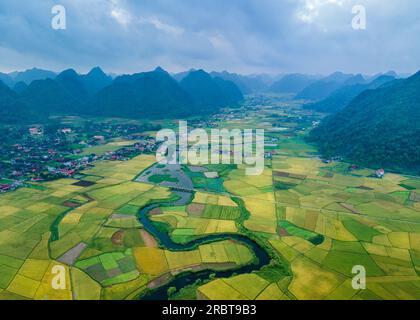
(33, 74)
(19, 87)
(142, 95)
(6, 79)
(324, 87)
(157, 93)
(378, 128)
(68, 92)
(12, 110)
(292, 83)
(95, 80)
(342, 96)
(209, 93)
(154, 94)
(247, 84)
(49, 97)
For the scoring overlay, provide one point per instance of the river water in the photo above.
(187, 278)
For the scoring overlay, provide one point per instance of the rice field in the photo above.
(317, 220)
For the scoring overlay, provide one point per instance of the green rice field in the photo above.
(316, 221)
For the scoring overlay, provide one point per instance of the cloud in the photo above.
(247, 36)
(158, 24)
(311, 9)
(121, 16)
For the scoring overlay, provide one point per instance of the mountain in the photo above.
(66, 94)
(357, 79)
(379, 128)
(12, 110)
(181, 75)
(73, 82)
(324, 87)
(143, 95)
(230, 91)
(208, 94)
(343, 96)
(6, 79)
(33, 74)
(338, 77)
(390, 73)
(63, 95)
(318, 90)
(267, 79)
(292, 83)
(95, 80)
(20, 87)
(50, 97)
(247, 84)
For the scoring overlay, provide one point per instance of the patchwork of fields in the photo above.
(93, 232)
(317, 221)
(323, 219)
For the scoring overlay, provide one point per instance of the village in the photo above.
(43, 153)
(51, 151)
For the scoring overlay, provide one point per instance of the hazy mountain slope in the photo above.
(73, 83)
(230, 91)
(292, 83)
(357, 79)
(210, 94)
(12, 110)
(95, 80)
(247, 84)
(6, 79)
(33, 74)
(20, 87)
(343, 96)
(66, 94)
(143, 95)
(326, 86)
(379, 128)
(50, 97)
(181, 75)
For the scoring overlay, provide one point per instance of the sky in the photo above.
(243, 36)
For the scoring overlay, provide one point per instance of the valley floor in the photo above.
(316, 220)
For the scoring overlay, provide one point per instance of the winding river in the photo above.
(188, 278)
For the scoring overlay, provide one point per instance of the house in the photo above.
(68, 172)
(5, 187)
(380, 173)
(100, 139)
(35, 131)
(66, 130)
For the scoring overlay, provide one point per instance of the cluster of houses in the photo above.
(11, 186)
(147, 145)
(67, 168)
(40, 154)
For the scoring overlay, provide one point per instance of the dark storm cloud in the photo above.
(247, 36)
